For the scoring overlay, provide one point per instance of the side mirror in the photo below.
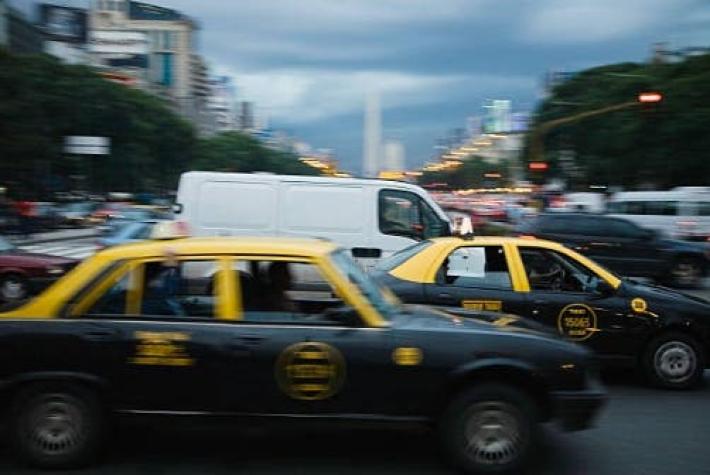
(604, 289)
(649, 234)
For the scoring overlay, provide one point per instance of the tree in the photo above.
(238, 152)
(660, 146)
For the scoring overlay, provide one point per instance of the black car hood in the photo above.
(425, 316)
(662, 295)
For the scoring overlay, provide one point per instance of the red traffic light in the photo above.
(538, 166)
(650, 97)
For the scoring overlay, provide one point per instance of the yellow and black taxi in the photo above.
(273, 327)
(661, 331)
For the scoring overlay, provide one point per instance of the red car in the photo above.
(23, 273)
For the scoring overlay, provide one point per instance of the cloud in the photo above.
(581, 21)
(292, 96)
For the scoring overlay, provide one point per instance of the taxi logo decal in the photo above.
(577, 322)
(310, 371)
(639, 305)
(407, 356)
(161, 349)
(504, 321)
(490, 305)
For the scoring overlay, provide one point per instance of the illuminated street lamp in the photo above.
(650, 97)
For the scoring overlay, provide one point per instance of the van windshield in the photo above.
(379, 296)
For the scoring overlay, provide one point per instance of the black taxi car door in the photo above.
(160, 343)
(300, 350)
(563, 295)
(478, 278)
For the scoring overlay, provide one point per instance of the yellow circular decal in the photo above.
(577, 322)
(310, 371)
(639, 305)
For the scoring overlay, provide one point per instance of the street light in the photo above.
(650, 97)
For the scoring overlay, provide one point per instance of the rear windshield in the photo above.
(389, 263)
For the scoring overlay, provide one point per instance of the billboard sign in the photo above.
(118, 42)
(87, 145)
(63, 23)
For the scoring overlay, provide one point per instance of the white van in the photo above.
(373, 218)
(683, 212)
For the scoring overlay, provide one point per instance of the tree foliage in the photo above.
(659, 146)
(237, 152)
(42, 101)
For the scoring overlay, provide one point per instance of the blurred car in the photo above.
(76, 214)
(683, 212)
(127, 232)
(624, 247)
(139, 330)
(130, 214)
(45, 216)
(23, 273)
(664, 333)
(106, 211)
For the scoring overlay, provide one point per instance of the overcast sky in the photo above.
(309, 63)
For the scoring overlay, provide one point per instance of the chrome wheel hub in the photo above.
(493, 434)
(675, 361)
(12, 289)
(55, 426)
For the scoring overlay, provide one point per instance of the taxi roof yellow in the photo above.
(498, 241)
(222, 245)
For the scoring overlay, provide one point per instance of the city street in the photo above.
(641, 431)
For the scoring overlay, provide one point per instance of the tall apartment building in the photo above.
(154, 47)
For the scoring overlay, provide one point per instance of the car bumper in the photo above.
(576, 410)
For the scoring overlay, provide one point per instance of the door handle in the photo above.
(250, 339)
(366, 252)
(446, 297)
(100, 335)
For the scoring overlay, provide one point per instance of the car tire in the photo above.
(686, 272)
(57, 426)
(13, 288)
(673, 360)
(489, 429)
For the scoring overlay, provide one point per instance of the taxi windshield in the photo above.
(379, 296)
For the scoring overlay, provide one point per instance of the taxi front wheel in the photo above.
(57, 425)
(489, 429)
(674, 360)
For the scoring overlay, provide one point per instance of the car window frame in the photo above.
(509, 260)
(328, 274)
(89, 294)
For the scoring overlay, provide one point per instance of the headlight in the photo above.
(55, 270)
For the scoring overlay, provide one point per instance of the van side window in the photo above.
(402, 213)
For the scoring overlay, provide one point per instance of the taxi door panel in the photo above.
(163, 364)
(598, 322)
(476, 278)
(308, 369)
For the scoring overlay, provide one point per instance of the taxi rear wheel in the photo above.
(489, 429)
(674, 361)
(13, 287)
(57, 425)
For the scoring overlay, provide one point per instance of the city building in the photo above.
(372, 140)
(221, 103)
(65, 32)
(17, 33)
(153, 45)
(245, 120)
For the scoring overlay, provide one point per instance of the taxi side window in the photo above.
(551, 271)
(285, 292)
(476, 266)
(161, 288)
